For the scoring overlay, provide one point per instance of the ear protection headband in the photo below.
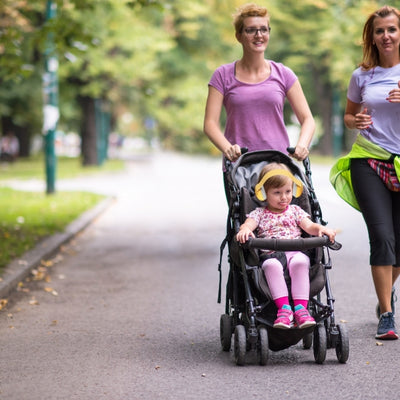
(260, 191)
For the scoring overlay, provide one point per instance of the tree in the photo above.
(119, 62)
(19, 79)
(152, 61)
(320, 40)
(97, 59)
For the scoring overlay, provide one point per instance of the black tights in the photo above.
(381, 211)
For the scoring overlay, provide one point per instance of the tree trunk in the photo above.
(88, 131)
(325, 96)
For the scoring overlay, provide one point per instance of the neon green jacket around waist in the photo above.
(340, 176)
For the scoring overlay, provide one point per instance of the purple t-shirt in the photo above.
(255, 111)
(371, 88)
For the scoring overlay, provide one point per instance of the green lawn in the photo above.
(26, 218)
(34, 168)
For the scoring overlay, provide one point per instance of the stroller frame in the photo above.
(249, 309)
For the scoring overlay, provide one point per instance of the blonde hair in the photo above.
(245, 11)
(275, 181)
(370, 51)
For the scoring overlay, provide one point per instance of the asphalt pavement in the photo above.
(130, 312)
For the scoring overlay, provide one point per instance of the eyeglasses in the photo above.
(254, 31)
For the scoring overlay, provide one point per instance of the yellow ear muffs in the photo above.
(260, 191)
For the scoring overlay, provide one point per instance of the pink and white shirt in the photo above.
(284, 225)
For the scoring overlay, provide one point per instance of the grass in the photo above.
(26, 218)
(34, 168)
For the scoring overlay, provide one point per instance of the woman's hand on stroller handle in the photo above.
(232, 152)
(300, 153)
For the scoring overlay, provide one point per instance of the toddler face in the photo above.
(278, 199)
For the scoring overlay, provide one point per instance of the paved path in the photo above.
(128, 310)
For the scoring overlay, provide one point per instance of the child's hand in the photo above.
(244, 234)
(328, 232)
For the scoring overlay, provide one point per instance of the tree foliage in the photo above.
(151, 60)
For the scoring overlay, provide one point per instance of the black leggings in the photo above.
(381, 211)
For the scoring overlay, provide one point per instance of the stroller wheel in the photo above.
(320, 344)
(307, 341)
(342, 345)
(263, 345)
(240, 345)
(225, 331)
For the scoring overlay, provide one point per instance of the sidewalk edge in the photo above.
(21, 267)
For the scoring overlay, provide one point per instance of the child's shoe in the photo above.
(284, 318)
(303, 318)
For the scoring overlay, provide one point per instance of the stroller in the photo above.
(249, 309)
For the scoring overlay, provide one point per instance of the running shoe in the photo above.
(386, 327)
(284, 319)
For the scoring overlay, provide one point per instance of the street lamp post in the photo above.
(50, 110)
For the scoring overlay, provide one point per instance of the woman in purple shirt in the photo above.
(253, 91)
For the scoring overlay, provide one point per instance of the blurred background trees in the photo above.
(140, 68)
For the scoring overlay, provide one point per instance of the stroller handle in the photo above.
(291, 244)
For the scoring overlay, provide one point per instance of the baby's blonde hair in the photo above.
(275, 181)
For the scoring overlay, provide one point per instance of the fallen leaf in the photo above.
(38, 274)
(3, 303)
(48, 263)
(50, 290)
(379, 343)
(33, 302)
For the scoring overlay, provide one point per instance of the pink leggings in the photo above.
(298, 265)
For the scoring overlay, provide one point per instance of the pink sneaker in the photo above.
(303, 318)
(284, 319)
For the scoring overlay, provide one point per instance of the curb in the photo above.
(21, 267)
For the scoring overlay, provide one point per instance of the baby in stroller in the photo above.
(282, 220)
(250, 317)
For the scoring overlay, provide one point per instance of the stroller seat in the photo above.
(317, 270)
